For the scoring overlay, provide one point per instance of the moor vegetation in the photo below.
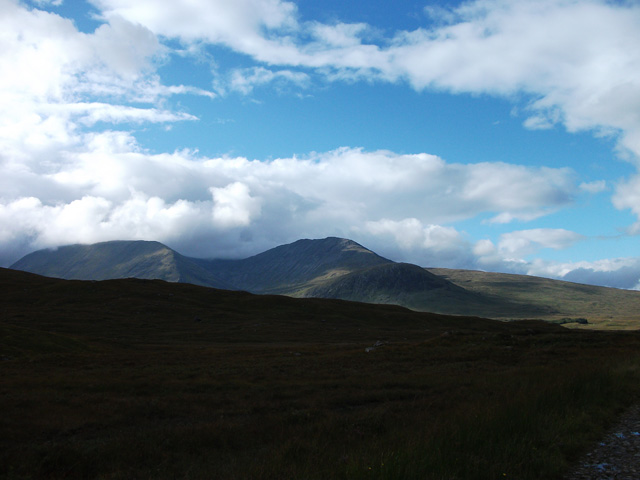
(145, 379)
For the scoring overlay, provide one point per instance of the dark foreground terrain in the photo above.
(146, 379)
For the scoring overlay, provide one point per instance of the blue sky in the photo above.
(489, 134)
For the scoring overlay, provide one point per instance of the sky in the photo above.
(497, 135)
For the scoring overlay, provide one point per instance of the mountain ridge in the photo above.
(343, 269)
(118, 259)
(286, 268)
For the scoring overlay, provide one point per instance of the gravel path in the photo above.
(617, 457)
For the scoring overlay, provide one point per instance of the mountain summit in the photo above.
(328, 268)
(118, 259)
(293, 267)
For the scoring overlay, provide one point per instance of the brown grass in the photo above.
(143, 379)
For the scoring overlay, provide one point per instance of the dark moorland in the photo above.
(132, 378)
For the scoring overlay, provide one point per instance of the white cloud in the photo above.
(627, 196)
(241, 24)
(339, 35)
(337, 192)
(233, 205)
(410, 233)
(55, 80)
(517, 192)
(55, 3)
(615, 272)
(409, 239)
(509, 255)
(594, 187)
(245, 80)
(525, 242)
(512, 248)
(440, 14)
(572, 56)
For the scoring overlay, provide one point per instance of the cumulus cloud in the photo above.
(240, 24)
(512, 249)
(573, 57)
(55, 80)
(112, 181)
(615, 272)
(233, 205)
(245, 80)
(627, 196)
(594, 187)
(428, 245)
(525, 242)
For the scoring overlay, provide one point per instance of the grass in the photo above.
(551, 300)
(143, 379)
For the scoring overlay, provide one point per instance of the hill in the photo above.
(557, 300)
(156, 311)
(407, 285)
(117, 259)
(293, 267)
(135, 378)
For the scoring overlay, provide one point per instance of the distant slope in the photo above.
(416, 288)
(118, 259)
(601, 306)
(289, 268)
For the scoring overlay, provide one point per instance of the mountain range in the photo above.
(339, 268)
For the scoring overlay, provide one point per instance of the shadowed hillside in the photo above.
(413, 287)
(288, 268)
(117, 259)
(148, 379)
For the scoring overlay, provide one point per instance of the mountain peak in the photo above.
(285, 268)
(117, 259)
(98, 261)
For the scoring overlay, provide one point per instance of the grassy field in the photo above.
(552, 300)
(144, 379)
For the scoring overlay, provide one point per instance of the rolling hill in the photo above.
(563, 302)
(132, 378)
(342, 269)
(118, 259)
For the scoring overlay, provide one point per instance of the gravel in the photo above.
(617, 456)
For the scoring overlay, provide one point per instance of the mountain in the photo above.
(416, 288)
(330, 267)
(338, 268)
(118, 259)
(289, 269)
